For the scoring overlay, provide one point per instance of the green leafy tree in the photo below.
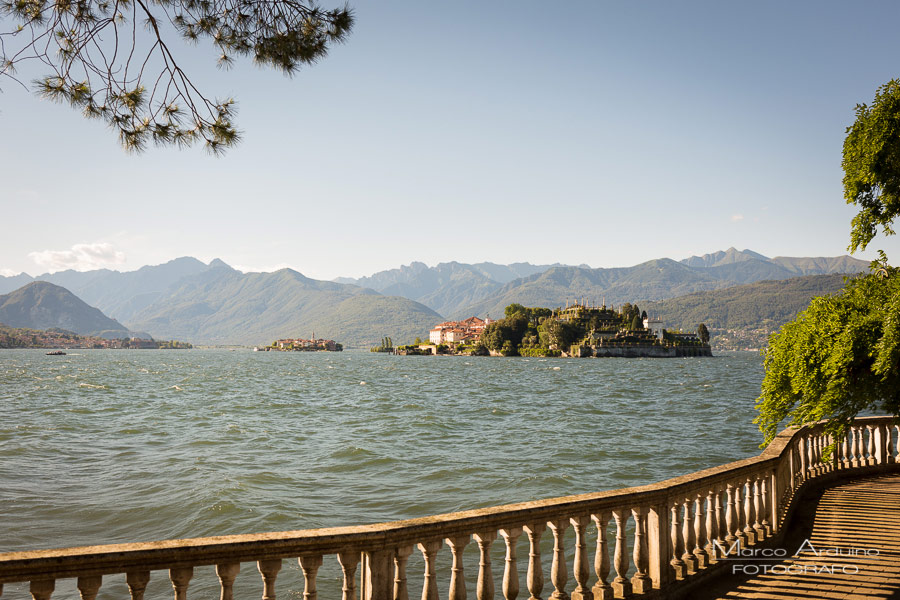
(117, 61)
(511, 329)
(492, 337)
(871, 165)
(559, 333)
(703, 333)
(513, 309)
(841, 355)
(636, 323)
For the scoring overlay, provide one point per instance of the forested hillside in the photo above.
(744, 316)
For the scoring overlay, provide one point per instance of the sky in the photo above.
(599, 133)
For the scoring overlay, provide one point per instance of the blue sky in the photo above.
(579, 132)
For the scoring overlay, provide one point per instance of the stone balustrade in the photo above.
(652, 541)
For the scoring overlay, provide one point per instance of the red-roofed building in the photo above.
(454, 332)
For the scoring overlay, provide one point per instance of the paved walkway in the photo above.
(853, 549)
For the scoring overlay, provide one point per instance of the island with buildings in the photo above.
(576, 330)
(300, 345)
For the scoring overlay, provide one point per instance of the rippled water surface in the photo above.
(124, 446)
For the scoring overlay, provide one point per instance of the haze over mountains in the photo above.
(188, 300)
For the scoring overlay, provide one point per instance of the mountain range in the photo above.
(188, 300)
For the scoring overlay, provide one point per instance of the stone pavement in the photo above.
(852, 552)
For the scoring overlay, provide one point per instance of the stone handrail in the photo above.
(678, 531)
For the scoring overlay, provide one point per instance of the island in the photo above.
(578, 330)
(301, 345)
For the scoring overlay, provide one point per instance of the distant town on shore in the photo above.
(18, 337)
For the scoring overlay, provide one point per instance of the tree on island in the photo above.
(841, 356)
(103, 62)
(636, 323)
(703, 333)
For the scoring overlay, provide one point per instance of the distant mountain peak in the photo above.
(723, 257)
(218, 263)
(44, 305)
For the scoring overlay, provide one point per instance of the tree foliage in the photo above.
(839, 357)
(703, 333)
(871, 165)
(115, 60)
(560, 334)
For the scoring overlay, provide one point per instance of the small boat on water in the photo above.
(56, 353)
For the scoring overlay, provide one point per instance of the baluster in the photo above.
(558, 574)
(881, 444)
(730, 538)
(835, 462)
(811, 462)
(309, 564)
(349, 561)
(820, 444)
(268, 570)
(845, 449)
(89, 586)
(137, 583)
(858, 449)
(535, 576)
(748, 513)
(601, 590)
(621, 586)
(739, 516)
(871, 458)
(640, 581)
(687, 531)
(896, 445)
(580, 568)
(712, 525)
(511, 572)
(42, 588)
(227, 573)
(457, 575)
(721, 507)
(758, 530)
(765, 505)
(678, 566)
(889, 444)
(181, 577)
(811, 459)
(485, 587)
(699, 550)
(801, 450)
(401, 556)
(429, 586)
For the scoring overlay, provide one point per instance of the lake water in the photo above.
(126, 446)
